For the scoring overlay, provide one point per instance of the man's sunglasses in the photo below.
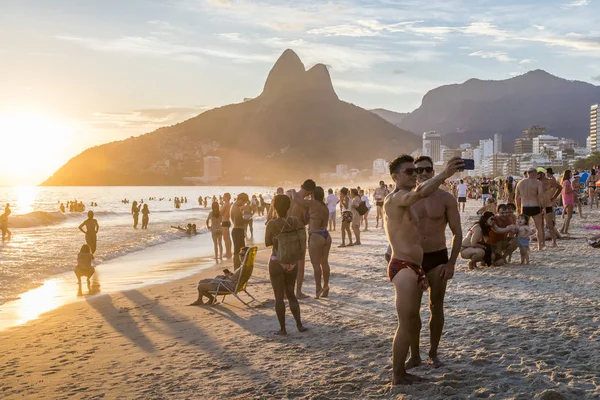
(409, 171)
(420, 170)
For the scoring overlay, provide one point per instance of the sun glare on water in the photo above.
(33, 147)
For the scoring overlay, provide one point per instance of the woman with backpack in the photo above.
(319, 239)
(286, 235)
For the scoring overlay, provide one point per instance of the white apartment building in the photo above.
(380, 167)
(497, 143)
(432, 145)
(588, 144)
(477, 156)
(544, 141)
(487, 147)
(213, 168)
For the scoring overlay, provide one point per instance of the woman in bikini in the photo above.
(568, 198)
(135, 211)
(319, 239)
(283, 276)
(213, 223)
(474, 245)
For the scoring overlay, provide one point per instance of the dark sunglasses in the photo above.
(409, 171)
(420, 170)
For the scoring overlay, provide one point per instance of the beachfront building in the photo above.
(465, 146)
(523, 146)
(341, 170)
(497, 143)
(534, 131)
(544, 162)
(544, 143)
(496, 164)
(594, 111)
(449, 154)
(380, 167)
(512, 166)
(588, 144)
(432, 145)
(565, 154)
(213, 168)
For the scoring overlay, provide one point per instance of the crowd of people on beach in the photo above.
(420, 204)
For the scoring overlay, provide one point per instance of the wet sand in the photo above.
(513, 332)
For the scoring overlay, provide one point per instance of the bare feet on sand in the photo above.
(301, 328)
(280, 332)
(435, 361)
(412, 362)
(302, 296)
(407, 379)
(325, 292)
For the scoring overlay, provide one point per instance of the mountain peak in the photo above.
(289, 76)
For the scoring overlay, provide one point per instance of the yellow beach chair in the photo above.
(247, 265)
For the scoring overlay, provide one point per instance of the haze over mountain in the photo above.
(477, 109)
(295, 129)
(391, 116)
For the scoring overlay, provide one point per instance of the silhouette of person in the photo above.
(91, 231)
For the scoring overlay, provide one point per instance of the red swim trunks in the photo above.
(396, 266)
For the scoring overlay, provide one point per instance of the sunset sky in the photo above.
(79, 73)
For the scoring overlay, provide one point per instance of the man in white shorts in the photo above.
(462, 195)
(332, 201)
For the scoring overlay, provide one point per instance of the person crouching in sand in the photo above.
(404, 269)
(84, 265)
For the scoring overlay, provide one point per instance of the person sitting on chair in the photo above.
(228, 281)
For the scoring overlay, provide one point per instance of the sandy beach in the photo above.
(512, 332)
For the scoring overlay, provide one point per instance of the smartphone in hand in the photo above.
(469, 164)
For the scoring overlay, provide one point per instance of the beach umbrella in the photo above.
(584, 177)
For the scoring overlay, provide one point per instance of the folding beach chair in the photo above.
(247, 265)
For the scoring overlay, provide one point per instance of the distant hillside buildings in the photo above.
(594, 111)
(213, 168)
(535, 148)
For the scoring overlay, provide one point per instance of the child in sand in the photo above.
(84, 265)
(523, 237)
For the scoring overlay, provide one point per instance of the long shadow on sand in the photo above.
(122, 322)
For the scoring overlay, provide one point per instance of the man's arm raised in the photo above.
(405, 198)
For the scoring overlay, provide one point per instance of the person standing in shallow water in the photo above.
(145, 216)
(226, 224)
(283, 276)
(135, 211)
(91, 231)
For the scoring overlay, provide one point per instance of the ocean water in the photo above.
(45, 242)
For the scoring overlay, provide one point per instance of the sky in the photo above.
(81, 73)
